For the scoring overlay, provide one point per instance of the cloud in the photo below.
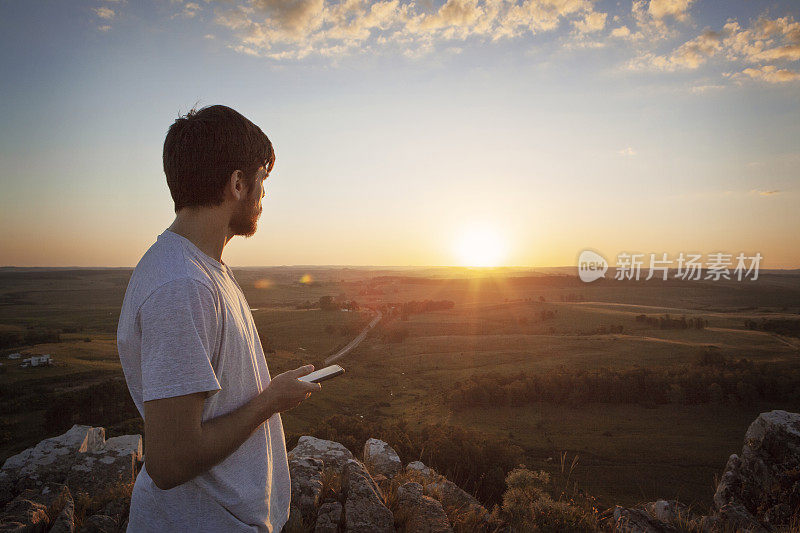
(105, 28)
(104, 12)
(767, 73)
(592, 22)
(621, 32)
(190, 9)
(694, 53)
(294, 29)
(765, 193)
(764, 41)
(677, 9)
(763, 49)
(653, 18)
(703, 89)
(627, 152)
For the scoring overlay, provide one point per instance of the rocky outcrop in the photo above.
(639, 521)
(35, 510)
(364, 510)
(420, 468)
(422, 513)
(381, 459)
(453, 498)
(761, 487)
(423, 497)
(306, 476)
(329, 517)
(332, 454)
(759, 490)
(38, 485)
(334, 492)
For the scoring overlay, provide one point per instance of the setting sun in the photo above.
(480, 247)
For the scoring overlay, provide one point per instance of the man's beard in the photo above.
(245, 220)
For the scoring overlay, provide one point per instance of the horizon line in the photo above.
(464, 267)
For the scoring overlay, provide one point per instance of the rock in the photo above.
(668, 510)
(735, 517)
(364, 508)
(760, 488)
(381, 459)
(333, 454)
(35, 510)
(454, 499)
(329, 518)
(421, 513)
(710, 523)
(114, 463)
(118, 509)
(99, 524)
(125, 445)
(81, 458)
(52, 458)
(639, 521)
(419, 467)
(306, 476)
(65, 521)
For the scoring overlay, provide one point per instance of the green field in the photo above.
(502, 322)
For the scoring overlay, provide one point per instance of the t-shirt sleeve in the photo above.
(179, 330)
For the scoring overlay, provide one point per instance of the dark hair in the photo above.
(204, 147)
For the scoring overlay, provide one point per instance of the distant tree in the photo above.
(327, 303)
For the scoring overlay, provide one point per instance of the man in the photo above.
(194, 364)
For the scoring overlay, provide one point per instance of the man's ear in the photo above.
(237, 186)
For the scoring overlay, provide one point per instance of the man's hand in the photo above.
(285, 391)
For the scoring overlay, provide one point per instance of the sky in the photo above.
(508, 132)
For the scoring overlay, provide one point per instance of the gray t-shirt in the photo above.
(186, 327)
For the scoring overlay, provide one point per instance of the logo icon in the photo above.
(591, 266)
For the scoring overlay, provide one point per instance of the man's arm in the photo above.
(180, 446)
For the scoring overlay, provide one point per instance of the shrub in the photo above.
(528, 507)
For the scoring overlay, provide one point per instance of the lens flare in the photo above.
(263, 283)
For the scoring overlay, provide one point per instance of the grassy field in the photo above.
(502, 322)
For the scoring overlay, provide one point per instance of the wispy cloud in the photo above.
(703, 89)
(765, 193)
(764, 41)
(768, 73)
(762, 50)
(627, 152)
(298, 28)
(190, 9)
(104, 12)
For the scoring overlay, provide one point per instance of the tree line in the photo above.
(27, 337)
(668, 322)
(781, 326)
(732, 382)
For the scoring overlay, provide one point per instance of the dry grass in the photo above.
(86, 505)
(331, 484)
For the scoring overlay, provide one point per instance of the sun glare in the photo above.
(480, 247)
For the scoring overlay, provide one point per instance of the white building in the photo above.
(14, 355)
(38, 360)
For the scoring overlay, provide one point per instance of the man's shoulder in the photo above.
(164, 264)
